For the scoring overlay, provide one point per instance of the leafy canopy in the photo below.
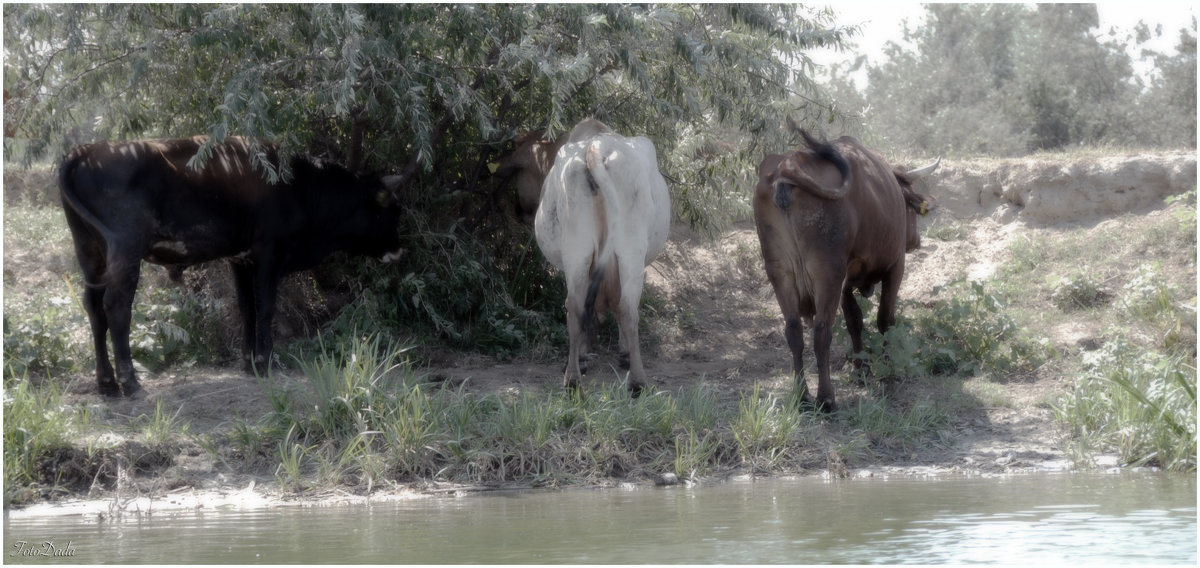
(431, 91)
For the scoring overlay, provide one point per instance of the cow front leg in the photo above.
(266, 287)
(889, 296)
(854, 324)
(243, 283)
(887, 308)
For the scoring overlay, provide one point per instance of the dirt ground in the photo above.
(718, 322)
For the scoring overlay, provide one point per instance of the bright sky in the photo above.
(883, 21)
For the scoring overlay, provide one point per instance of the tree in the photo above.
(431, 91)
(1010, 78)
(1167, 107)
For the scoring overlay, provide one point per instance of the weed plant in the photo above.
(1079, 292)
(968, 330)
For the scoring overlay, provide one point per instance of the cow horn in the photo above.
(914, 175)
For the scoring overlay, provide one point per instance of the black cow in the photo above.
(131, 201)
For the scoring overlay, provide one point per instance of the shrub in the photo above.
(971, 331)
(37, 337)
(1147, 295)
(1078, 293)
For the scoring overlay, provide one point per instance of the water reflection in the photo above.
(1020, 519)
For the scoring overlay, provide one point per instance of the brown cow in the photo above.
(831, 218)
(530, 162)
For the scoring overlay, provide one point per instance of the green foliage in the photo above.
(1186, 212)
(453, 289)
(435, 89)
(1137, 402)
(972, 331)
(898, 353)
(176, 326)
(969, 329)
(346, 381)
(160, 429)
(37, 337)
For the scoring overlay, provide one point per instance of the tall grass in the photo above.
(367, 415)
(1137, 402)
(35, 426)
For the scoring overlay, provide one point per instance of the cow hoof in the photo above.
(582, 368)
(255, 369)
(110, 389)
(635, 389)
(133, 390)
(804, 402)
(828, 406)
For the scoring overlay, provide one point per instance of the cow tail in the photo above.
(68, 192)
(601, 186)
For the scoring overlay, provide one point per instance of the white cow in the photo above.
(603, 217)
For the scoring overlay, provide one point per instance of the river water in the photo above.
(1034, 518)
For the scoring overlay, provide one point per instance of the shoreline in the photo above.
(261, 497)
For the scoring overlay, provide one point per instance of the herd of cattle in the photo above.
(832, 218)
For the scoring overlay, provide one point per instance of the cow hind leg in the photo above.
(793, 331)
(243, 284)
(92, 263)
(628, 323)
(93, 305)
(120, 286)
(822, 340)
(784, 283)
(576, 338)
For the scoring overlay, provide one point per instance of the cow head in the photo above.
(917, 204)
(530, 162)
